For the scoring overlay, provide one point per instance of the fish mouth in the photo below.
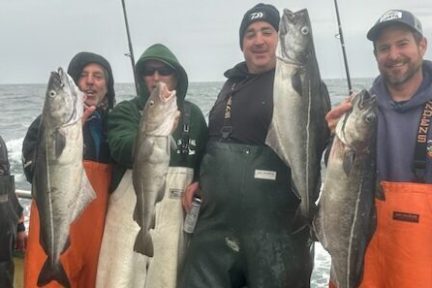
(57, 79)
(167, 97)
(363, 100)
(55, 83)
(62, 76)
(66, 82)
(283, 27)
(366, 100)
(295, 44)
(367, 103)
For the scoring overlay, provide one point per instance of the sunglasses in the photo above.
(163, 70)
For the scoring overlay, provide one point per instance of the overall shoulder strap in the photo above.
(419, 163)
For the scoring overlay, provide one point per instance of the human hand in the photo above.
(21, 241)
(336, 113)
(88, 110)
(190, 191)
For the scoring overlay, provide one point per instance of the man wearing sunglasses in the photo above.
(157, 64)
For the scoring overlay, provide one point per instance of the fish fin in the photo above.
(173, 144)
(300, 222)
(144, 244)
(348, 161)
(53, 271)
(60, 143)
(86, 196)
(161, 193)
(137, 213)
(297, 82)
(87, 187)
(153, 221)
(325, 97)
(316, 233)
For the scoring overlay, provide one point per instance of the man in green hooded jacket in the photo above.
(157, 64)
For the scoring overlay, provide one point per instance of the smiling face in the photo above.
(93, 82)
(259, 47)
(399, 56)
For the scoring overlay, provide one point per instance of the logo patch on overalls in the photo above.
(175, 193)
(406, 217)
(265, 174)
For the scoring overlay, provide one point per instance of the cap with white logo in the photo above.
(260, 12)
(394, 17)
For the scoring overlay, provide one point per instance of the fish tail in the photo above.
(52, 271)
(144, 244)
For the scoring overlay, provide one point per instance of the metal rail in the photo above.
(25, 194)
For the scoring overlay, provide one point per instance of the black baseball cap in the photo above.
(393, 17)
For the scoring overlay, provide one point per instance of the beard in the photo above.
(398, 78)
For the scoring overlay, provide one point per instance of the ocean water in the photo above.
(20, 104)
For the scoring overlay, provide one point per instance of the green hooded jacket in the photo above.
(123, 121)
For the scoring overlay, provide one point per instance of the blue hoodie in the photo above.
(398, 123)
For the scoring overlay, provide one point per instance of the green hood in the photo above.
(161, 53)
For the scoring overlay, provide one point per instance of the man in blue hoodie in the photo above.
(400, 254)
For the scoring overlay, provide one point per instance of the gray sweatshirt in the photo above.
(398, 123)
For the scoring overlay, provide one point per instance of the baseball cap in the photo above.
(392, 17)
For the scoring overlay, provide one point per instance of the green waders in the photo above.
(244, 235)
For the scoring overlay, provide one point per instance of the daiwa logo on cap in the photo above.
(256, 15)
(391, 15)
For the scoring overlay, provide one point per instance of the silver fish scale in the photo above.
(298, 132)
(346, 214)
(151, 161)
(60, 187)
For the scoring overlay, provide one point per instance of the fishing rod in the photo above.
(131, 54)
(343, 48)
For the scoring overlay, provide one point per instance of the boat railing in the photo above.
(25, 194)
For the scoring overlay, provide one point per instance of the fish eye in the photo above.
(304, 30)
(52, 93)
(370, 118)
(152, 102)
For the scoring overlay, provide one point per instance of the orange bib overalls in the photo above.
(81, 258)
(399, 254)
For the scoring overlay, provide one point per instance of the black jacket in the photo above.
(251, 108)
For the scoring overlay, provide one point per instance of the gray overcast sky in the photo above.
(37, 36)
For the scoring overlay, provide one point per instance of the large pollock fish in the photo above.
(346, 220)
(60, 185)
(298, 132)
(151, 160)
